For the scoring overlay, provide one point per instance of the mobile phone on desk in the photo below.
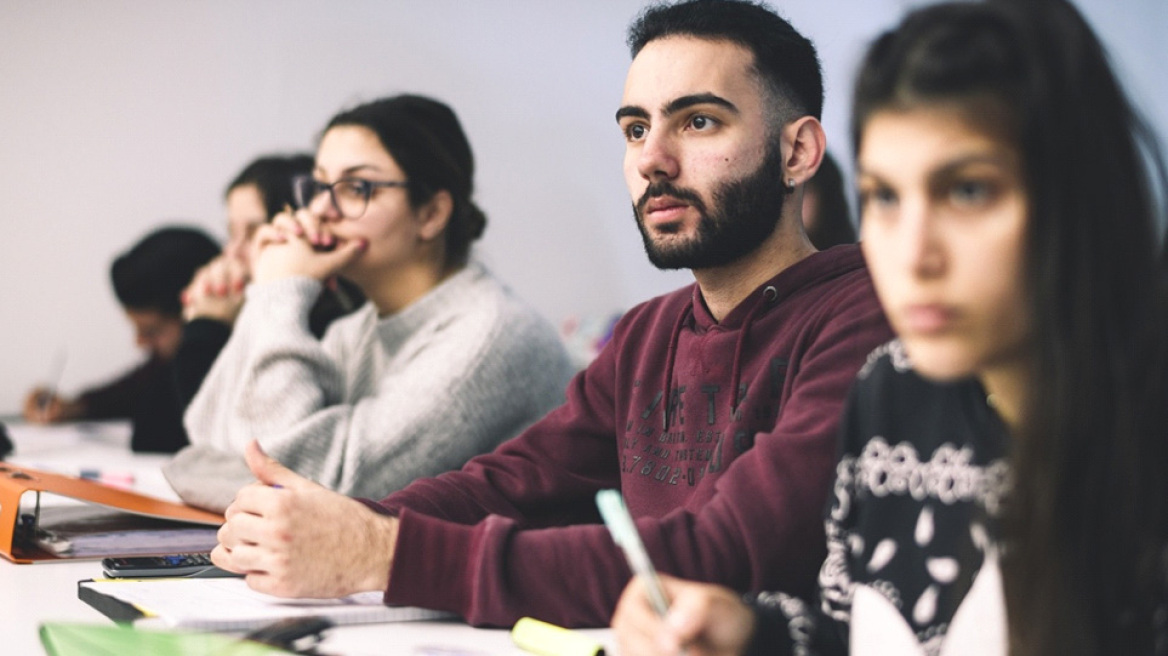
(194, 566)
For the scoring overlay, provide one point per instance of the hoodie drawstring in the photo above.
(769, 294)
(671, 358)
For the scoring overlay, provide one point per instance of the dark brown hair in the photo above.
(426, 140)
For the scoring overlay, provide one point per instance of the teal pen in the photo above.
(624, 533)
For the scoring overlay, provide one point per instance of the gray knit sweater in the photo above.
(377, 402)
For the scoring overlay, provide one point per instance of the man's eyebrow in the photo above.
(678, 104)
(698, 99)
(631, 110)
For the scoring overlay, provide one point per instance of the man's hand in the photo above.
(294, 538)
(298, 244)
(216, 291)
(703, 620)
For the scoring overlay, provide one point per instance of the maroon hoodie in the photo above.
(722, 437)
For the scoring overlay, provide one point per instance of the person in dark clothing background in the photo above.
(148, 280)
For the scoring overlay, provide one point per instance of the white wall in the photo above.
(118, 115)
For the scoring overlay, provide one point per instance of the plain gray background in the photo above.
(120, 115)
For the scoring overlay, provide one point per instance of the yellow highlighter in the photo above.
(545, 639)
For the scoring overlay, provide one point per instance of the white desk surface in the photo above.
(31, 594)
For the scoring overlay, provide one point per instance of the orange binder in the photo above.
(18, 534)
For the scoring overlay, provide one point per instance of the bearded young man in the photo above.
(714, 408)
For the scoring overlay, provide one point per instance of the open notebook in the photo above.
(227, 604)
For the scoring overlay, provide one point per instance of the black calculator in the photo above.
(196, 565)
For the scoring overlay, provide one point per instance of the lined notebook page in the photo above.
(227, 604)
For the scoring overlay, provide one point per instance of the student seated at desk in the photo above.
(212, 301)
(714, 408)
(443, 363)
(1003, 485)
(148, 280)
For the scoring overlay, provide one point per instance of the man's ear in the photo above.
(804, 145)
(434, 216)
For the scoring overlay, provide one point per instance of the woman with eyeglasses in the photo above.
(1003, 479)
(442, 363)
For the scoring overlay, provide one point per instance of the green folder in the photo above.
(73, 639)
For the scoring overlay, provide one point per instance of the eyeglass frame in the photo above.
(367, 186)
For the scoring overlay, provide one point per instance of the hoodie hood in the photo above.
(804, 275)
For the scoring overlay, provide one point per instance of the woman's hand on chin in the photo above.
(285, 248)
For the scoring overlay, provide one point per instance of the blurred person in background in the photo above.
(148, 280)
(826, 217)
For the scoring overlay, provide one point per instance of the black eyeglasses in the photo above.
(349, 196)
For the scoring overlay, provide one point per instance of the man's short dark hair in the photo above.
(153, 273)
(785, 60)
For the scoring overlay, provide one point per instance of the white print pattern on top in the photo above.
(913, 530)
(978, 627)
(947, 477)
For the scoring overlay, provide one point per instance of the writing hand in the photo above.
(703, 620)
(42, 406)
(294, 538)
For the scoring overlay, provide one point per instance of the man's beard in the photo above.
(746, 212)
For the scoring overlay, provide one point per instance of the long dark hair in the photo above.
(426, 140)
(1087, 522)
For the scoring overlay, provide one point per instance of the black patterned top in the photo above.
(912, 528)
